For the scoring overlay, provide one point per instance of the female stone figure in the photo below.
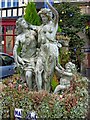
(27, 41)
(48, 51)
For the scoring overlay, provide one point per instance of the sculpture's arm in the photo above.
(67, 73)
(54, 11)
(15, 52)
(59, 69)
(63, 72)
(58, 65)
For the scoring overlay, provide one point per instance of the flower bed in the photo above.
(72, 104)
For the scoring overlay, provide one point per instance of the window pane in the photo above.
(7, 60)
(9, 4)
(1, 61)
(9, 44)
(3, 4)
(15, 4)
(15, 0)
(0, 29)
(9, 30)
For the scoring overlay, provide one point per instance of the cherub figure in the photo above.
(66, 76)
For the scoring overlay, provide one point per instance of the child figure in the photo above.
(66, 76)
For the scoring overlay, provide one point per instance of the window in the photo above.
(3, 4)
(7, 33)
(15, 3)
(9, 4)
(7, 60)
(1, 62)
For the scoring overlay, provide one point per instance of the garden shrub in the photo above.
(31, 15)
(72, 104)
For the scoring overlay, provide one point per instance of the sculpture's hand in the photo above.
(62, 71)
(17, 64)
(59, 66)
(58, 70)
(20, 61)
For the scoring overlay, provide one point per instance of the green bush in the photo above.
(31, 15)
(73, 103)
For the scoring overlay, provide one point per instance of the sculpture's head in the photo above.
(46, 14)
(70, 66)
(21, 24)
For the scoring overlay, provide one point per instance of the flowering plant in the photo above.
(72, 104)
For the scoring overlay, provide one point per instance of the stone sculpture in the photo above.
(66, 76)
(48, 54)
(26, 58)
(39, 56)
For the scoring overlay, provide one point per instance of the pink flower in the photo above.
(19, 87)
(61, 96)
(11, 85)
(25, 84)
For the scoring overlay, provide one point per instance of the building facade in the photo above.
(10, 10)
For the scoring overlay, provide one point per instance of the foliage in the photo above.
(87, 27)
(64, 56)
(87, 30)
(71, 21)
(70, 16)
(71, 104)
(75, 47)
(31, 15)
(54, 82)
